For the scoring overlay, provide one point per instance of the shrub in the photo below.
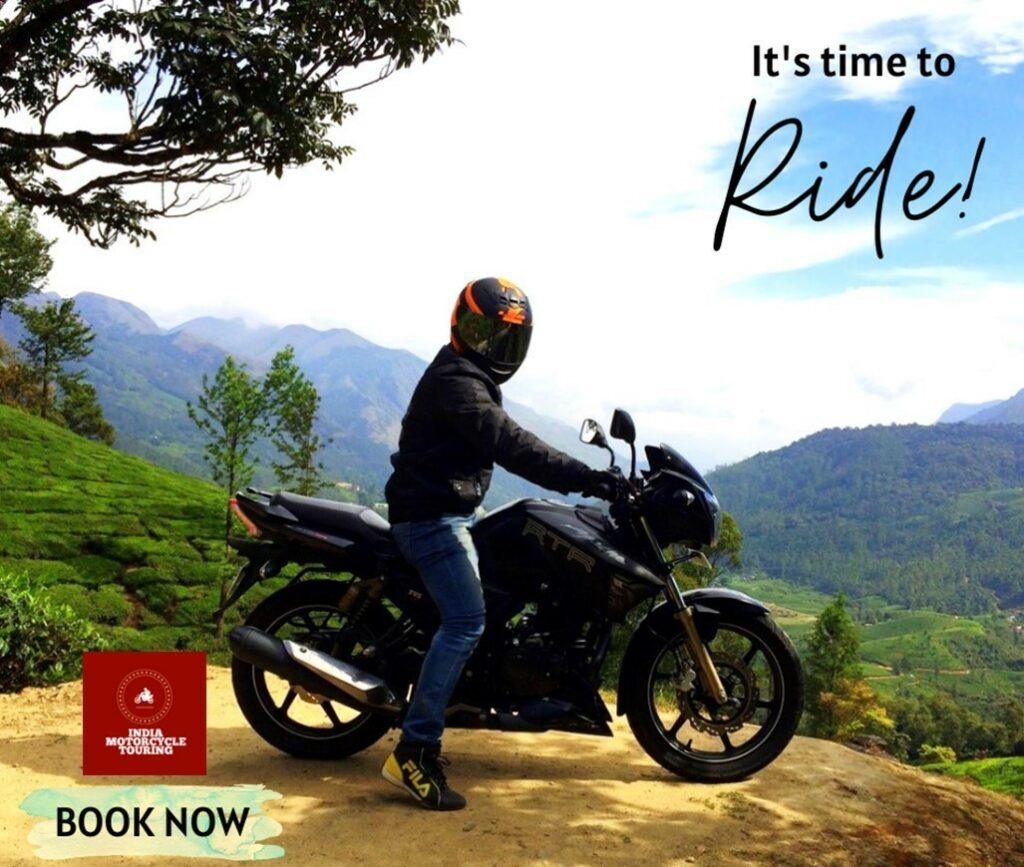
(41, 641)
(161, 599)
(198, 610)
(109, 604)
(933, 754)
(92, 569)
(43, 572)
(74, 596)
(141, 577)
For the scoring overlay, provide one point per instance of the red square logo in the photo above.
(144, 713)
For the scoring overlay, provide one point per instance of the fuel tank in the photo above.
(532, 547)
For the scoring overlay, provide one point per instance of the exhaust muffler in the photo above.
(314, 671)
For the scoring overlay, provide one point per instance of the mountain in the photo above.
(145, 375)
(963, 411)
(111, 315)
(1009, 411)
(926, 516)
(133, 547)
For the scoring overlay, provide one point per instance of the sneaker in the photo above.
(419, 770)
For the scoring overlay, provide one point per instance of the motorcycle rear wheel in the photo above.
(279, 714)
(680, 730)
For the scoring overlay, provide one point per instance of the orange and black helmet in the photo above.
(491, 326)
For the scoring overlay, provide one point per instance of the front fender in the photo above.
(708, 603)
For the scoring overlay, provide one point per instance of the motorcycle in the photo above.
(322, 668)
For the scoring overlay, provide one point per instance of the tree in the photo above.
(932, 754)
(55, 335)
(840, 704)
(17, 388)
(295, 404)
(211, 91)
(81, 411)
(849, 709)
(230, 413)
(833, 648)
(25, 259)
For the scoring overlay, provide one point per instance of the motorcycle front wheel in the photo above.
(694, 737)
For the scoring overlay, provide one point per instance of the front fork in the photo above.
(699, 653)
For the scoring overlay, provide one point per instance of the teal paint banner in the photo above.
(190, 821)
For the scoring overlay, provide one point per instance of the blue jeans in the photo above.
(442, 552)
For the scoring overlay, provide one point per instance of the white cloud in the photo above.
(998, 220)
(528, 152)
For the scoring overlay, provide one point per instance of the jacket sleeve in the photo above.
(527, 455)
(484, 424)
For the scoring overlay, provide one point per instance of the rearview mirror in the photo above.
(623, 427)
(592, 434)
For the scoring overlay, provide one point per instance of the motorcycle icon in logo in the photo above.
(144, 696)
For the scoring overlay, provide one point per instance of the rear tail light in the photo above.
(250, 527)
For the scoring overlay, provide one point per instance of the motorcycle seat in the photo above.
(359, 523)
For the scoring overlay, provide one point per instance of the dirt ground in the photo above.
(546, 799)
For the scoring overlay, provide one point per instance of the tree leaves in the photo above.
(25, 260)
(213, 91)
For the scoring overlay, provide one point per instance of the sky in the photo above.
(584, 152)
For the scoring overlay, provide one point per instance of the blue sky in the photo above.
(588, 164)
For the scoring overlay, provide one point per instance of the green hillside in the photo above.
(999, 775)
(130, 546)
(926, 517)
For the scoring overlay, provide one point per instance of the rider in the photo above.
(453, 433)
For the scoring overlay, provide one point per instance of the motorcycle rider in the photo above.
(453, 433)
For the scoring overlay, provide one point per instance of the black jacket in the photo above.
(453, 433)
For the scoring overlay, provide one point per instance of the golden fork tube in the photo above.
(709, 678)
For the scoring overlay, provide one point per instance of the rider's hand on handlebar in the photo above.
(607, 485)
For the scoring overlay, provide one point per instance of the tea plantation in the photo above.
(904, 651)
(132, 547)
(1004, 775)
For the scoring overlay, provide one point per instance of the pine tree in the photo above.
(230, 413)
(295, 405)
(56, 336)
(81, 411)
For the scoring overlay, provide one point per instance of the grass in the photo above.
(1004, 775)
(130, 546)
(795, 599)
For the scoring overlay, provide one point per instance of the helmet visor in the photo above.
(497, 341)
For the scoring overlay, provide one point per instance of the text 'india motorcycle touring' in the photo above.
(710, 685)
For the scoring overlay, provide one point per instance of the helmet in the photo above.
(491, 326)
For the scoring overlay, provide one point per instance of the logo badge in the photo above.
(144, 713)
(144, 696)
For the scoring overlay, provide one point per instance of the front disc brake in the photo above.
(740, 685)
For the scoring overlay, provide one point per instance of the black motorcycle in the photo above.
(712, 688)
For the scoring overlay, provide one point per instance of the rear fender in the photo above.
(263, 560)
(708, 603)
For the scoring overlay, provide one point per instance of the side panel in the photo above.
(533, 542)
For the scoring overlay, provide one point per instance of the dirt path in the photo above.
(551, 799)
